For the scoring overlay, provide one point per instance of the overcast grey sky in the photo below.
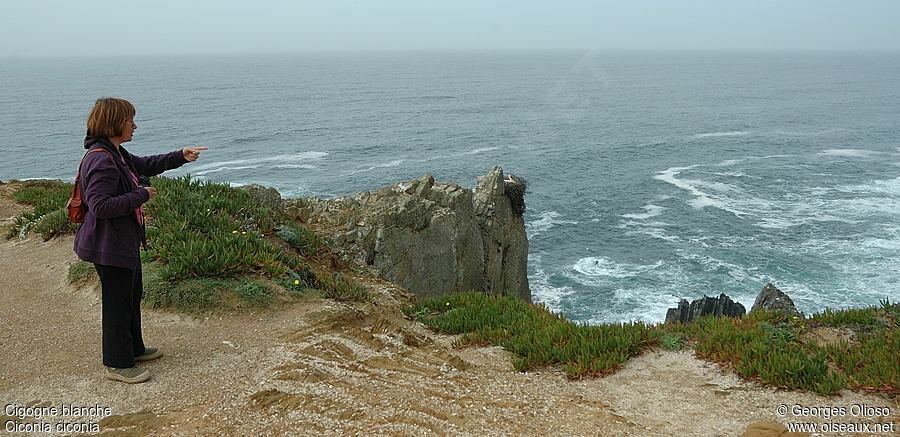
(106, 27)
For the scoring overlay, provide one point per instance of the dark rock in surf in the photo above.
(705, 306)
(773, 299)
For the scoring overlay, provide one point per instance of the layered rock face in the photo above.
(715, 306)
(773, 299)
(431, 238)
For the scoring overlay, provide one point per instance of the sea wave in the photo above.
(393, 163)
(701, 199)
(457, 155)
(545, 222)
(542, 291)
(807, 134)
(652, 211)
(850, 153)
(599, 266)
(288, 157)
(736, 133)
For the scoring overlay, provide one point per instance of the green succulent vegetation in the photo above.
(872, 360)
(764, 346)
(211, 246)
(672, 341)
(539, 337)
(49, 217)
(300, 238)
(216, 238)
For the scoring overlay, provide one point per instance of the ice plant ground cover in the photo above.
(769, 347)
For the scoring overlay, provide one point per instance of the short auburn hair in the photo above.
(107, 118)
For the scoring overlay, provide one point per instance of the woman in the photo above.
(113, 229)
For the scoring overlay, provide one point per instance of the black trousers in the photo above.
(122, 292)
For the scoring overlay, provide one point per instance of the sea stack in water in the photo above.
(428, 237)
(773, 299)
(705, 306)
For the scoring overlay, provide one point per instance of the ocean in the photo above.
(653, 176)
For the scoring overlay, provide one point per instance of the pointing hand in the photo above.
(192, 153)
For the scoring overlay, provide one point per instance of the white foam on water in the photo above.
(394, 163)
(596, 270)
(457, 155)
(287, 166)
(649, 305)
(648, 302)
(477, 151)
(247, 167)
(297, 191)
(717, 186)
(731, 162)
(290, 157)
(736, 133)
(890, 187)
(652, 211)
(630, 223)
(806, 205)
(731, 174)
(545, 222)
(225, 168)
(669, 175)
(712, 264)
(808, 133)
(655, 233)
(818, 191)
(776, 223)
(703, 199)
(867, 273)
(541, 289)
(850, 153)
(792, 212)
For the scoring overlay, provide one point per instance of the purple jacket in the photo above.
(111, 234)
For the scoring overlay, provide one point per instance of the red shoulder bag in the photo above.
(74, 205)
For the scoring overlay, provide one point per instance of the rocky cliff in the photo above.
(431, 238)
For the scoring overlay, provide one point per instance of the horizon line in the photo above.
(470, 50)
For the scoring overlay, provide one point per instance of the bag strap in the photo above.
(78, 173)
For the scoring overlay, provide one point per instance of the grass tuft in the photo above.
(340, 288)
(81, 272)
(254, 294)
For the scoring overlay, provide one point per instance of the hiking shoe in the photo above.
(130, 375)
(150, 353)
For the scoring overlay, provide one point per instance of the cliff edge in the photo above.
(431, 238)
